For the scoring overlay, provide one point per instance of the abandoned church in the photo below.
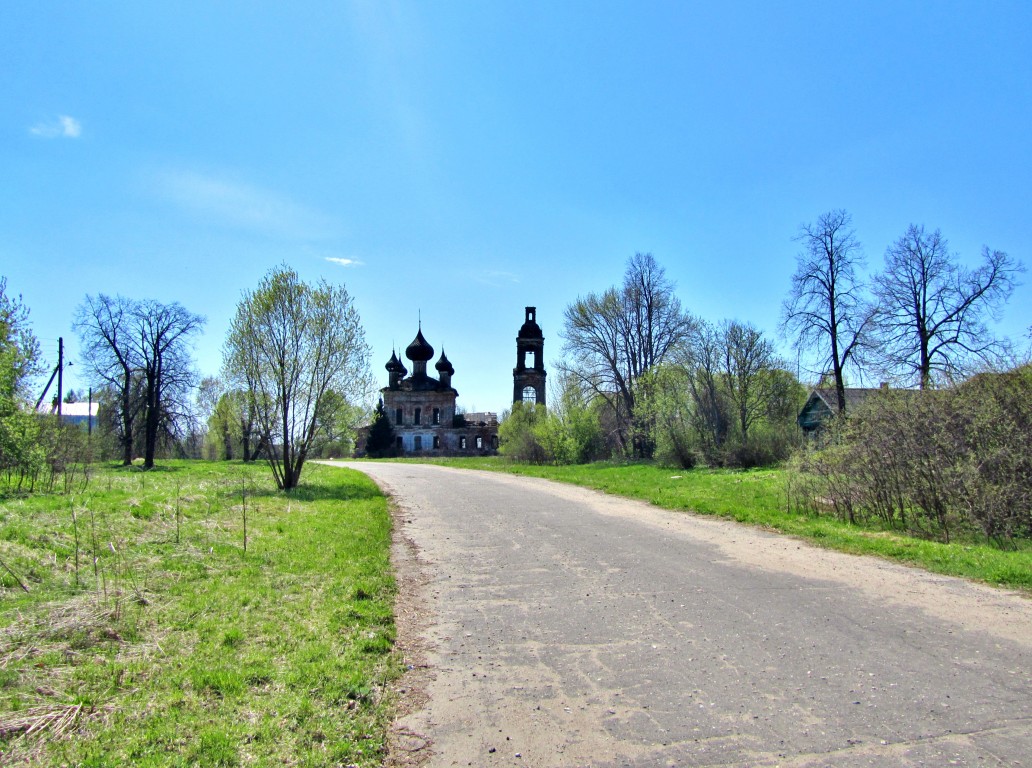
(422, 409)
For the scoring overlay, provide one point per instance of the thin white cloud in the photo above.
(64, 127)
(496, 278)
(344, 262)
(237, 204)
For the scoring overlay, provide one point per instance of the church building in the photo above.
(422, 408)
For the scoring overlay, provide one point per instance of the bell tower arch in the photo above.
(529, 374)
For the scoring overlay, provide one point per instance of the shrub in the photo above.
(934, 463)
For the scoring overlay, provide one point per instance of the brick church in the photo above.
(422, 409)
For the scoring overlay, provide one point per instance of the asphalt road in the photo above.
(552, 626)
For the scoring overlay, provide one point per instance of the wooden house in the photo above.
(822, 404)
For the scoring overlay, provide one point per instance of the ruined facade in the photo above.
(422, 408)
(529, 380)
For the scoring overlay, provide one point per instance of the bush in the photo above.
(934, 463)
(520, 433)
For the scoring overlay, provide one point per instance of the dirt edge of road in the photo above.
(405, 747)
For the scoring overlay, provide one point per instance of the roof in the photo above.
(854, 396)
(823, 403)
(394, 365)
(69, 410)
(419, 350)
(444, 364)
(418, 383)
(530, 329)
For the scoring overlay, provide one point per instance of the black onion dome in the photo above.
(394, 365)
(419, 350)
(444, 365)
(531, 330)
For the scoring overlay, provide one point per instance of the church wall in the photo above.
(426, 401)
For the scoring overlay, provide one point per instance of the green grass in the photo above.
(180, 648)
(758, 497)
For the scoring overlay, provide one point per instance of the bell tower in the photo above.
(529, 376)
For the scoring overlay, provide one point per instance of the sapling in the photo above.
(75, 531)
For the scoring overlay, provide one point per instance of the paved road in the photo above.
(553, 626)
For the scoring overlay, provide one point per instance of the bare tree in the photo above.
(105, 330)
(825, 313)
(139, 349)
(615, 338)
(162, 334)
(932, 311)
(289, 345)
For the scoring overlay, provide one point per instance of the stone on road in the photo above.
(564, 627)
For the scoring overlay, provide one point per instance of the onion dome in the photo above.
(419, 351)
(444, 365)
(394, 365)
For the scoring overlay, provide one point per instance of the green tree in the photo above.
(678, 439)
(520, 433)
(223, 425)
(725, 398)
(21, 453)
(337, 422)
(19, 348)
(748, 360)
(576, 417)
(381, 441)
(289, 344)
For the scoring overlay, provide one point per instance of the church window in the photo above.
(437, 441)
(494, 442)
(480, 442)
(437, 415)
(529, 395)
(416, 419)
(462, 443)
(397, 416)
(400, 445)
(419, 442)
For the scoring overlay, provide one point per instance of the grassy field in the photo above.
(759, 497)
(136, 629)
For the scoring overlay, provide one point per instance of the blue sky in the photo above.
(466, 159)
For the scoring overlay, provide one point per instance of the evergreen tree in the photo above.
(380, 443)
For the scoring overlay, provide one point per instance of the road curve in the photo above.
(554, 626)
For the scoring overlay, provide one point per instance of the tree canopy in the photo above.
(826, 313)
(931, 311)
(289, 346)
(616, 337)
(140, 350)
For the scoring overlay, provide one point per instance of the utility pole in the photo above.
(60, 375)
